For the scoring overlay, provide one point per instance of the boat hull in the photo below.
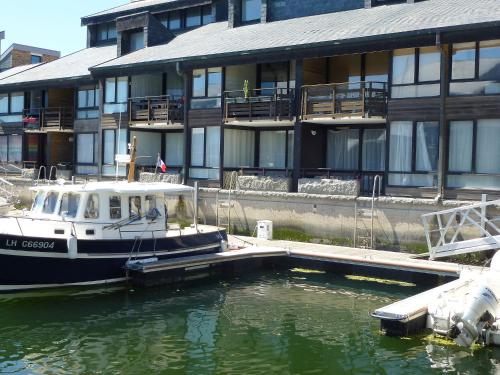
(31, 263)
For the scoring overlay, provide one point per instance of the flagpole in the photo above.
(157, 161)
(118, 144)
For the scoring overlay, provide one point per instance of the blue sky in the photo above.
(53, 24)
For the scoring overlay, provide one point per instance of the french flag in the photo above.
(160, 164)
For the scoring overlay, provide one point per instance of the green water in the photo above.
(270, 323)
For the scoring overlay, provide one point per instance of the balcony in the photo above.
(155, 111)
(336, 102)
(48, 119)
(263, 105)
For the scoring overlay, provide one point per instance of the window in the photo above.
(207, 16)
(239, 148)
(49, 205)
(273, 149)
(250, 10)
(88, 102)
(115, 95)
(205, 152)
(207, 88)
(92, 207)
(115, 207)
(343, 149)
(12, 103)
(174, 149)
(69, 205)
(475, 68)
(148, 147)
(114, 142)
(377, 67)
(373, 150)
(193, 17)
(106, 31)
(413, 153)
(150, 207)
(174, 20)
(474, 155)
(135, 207)
(36, 59)
(11, 148)
(416, 72)
(86, 153)
(274, 75)
(136, 41)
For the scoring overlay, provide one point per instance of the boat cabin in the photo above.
(115, 210)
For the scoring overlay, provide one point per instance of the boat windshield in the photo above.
(38, 202)
(49, 205)
(69, 205)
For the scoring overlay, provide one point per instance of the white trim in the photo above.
(6, 288)
(38, 254)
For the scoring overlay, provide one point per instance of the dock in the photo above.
(250, 253)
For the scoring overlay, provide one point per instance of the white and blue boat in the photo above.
(85, 234)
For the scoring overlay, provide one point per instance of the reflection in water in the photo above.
(264, 324)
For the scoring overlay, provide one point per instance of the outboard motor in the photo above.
(477, 315)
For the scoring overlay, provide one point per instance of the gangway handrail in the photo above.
(451, 225)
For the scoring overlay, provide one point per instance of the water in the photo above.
(269, 323)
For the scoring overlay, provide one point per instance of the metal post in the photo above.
(195, 203)
(483, 210)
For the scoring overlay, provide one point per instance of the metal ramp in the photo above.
(462, 230)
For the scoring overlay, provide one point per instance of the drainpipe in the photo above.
(443, 48)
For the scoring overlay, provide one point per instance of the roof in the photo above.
(121, 187)
(217, 40)
(139, 5)
(23, 47)
(15, 70)
(70, 67)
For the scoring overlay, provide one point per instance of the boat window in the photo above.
(49, 205)
(38, 202)
(151, 211)
(69, 205)
(135, 206)
(92, 209)
(115, 207)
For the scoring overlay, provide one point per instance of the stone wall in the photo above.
(328, 186)
(396, 221)
(170, 178)
(263, 183)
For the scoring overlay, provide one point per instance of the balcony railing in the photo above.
(344, 100)
(52, 118)
(155, 110)
(274, 104)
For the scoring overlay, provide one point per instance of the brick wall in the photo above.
(24, 58)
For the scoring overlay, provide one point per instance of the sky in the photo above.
(52, 24)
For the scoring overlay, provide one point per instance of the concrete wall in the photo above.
(286, 9)
(397, 220)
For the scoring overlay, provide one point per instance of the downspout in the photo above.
(442, 116)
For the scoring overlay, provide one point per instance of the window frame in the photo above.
(416, 75)
(94, 156)
(199, 10)
(109, 26)
(9, 104)
(473, 169)
(476, 78)
(255, 20)
(413, 170)
(37, 56)
(116, 90)
(23, 147)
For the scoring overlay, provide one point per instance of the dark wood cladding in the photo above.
(414, 109)
(111, 121)
(205, 117)
(472, 107)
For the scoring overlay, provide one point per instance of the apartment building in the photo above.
(405, 90)
(20, 54)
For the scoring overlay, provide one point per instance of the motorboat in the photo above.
(85, 234)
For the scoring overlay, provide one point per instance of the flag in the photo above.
(160, 164)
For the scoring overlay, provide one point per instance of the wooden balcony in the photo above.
(155, 111)
(343, 101)
(48, 119)
(275, 105)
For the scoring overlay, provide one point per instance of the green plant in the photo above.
(245, 88)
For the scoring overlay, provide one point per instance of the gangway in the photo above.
(467, 229)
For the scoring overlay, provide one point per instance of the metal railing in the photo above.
(54, 118)
(461, 230)
(274, 104)
(155, 109)
(341, 100)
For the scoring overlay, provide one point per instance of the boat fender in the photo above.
(72, 247)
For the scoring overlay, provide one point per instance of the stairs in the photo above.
(364, 237)
(225, 204)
